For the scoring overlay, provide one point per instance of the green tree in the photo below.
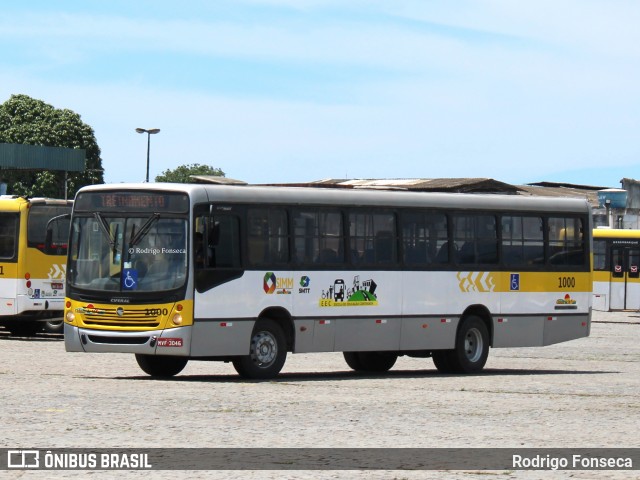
(25, 120)
(183, 172)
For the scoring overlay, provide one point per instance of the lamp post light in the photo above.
(149, 132)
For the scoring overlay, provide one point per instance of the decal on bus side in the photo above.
(361, 294)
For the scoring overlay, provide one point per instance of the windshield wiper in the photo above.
(143, 230)
(104, 226)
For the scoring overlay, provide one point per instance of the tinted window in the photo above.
(8, 234)
(317, 237)
(424, 238)
(372, 238)
(600, 254)
(566, 242)
(268, 239)
(522, 240)
(475, 239)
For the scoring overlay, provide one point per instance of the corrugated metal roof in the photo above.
(37, 157)
(484, 185)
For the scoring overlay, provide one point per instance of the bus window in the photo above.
(317, 237)
(268, 236)
(522, 240)
(8, 233)
(39, 216)
(476, 238)
(372, 238)
(424, 236)
(566, 244)
(217, 245)
(600, 255)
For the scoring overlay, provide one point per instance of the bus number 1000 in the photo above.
(566, 282)
(156, 312)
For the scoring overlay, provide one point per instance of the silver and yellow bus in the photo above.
(616, 260)
(32, 275)
(246, 274)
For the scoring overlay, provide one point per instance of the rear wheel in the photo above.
(162, 366)
(54, 326)
(370, 361)
(267, 353)
(471, 349)
(441, 361)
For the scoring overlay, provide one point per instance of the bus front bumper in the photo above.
(174, 341)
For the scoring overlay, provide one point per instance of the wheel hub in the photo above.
(265, 349)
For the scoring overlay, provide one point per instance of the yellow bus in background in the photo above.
(32, 270)
(616, 265)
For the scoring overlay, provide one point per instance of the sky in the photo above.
(281, 91)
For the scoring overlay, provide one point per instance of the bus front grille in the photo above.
(120, 317)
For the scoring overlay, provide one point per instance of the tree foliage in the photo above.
(25, 120)
(183, 172)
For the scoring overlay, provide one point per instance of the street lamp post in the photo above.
(149, 132)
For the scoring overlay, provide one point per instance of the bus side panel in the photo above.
(367, 334)
(566, 327)
(225, 315)
(246, 297)
(8, 288)
(518, 331)
(8, 304)
(422, 333)
(221, 337)
(314, 335)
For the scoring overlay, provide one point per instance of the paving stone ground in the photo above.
(582, 393)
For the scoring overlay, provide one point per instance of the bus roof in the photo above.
(13, 203)
(615, 233)
(355, 197)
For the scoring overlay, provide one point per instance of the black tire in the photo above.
(161, 366)
(375, 362)
(471, 349)
(441, 361)
(353, 360)
(267, 352)
(24, 328)
(54, 326)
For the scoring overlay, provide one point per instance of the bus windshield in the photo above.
(128, 254)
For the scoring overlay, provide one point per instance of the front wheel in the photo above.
(267, 353)
(162, 366)
(471, 349)
(54, 326)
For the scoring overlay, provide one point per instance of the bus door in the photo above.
(625, 278)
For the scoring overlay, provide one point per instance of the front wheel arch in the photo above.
(267, 351)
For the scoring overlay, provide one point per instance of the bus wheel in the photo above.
(471, 350)
(370, 361)
(267, 353)
(163, 366)
(54, 326)
(441, 361)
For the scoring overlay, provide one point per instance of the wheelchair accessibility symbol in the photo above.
(129, 279)
(514, 284)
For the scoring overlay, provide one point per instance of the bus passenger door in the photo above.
(625, 278)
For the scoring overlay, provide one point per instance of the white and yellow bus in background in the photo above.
(32, 276)
(616, 264)
(245, 274)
